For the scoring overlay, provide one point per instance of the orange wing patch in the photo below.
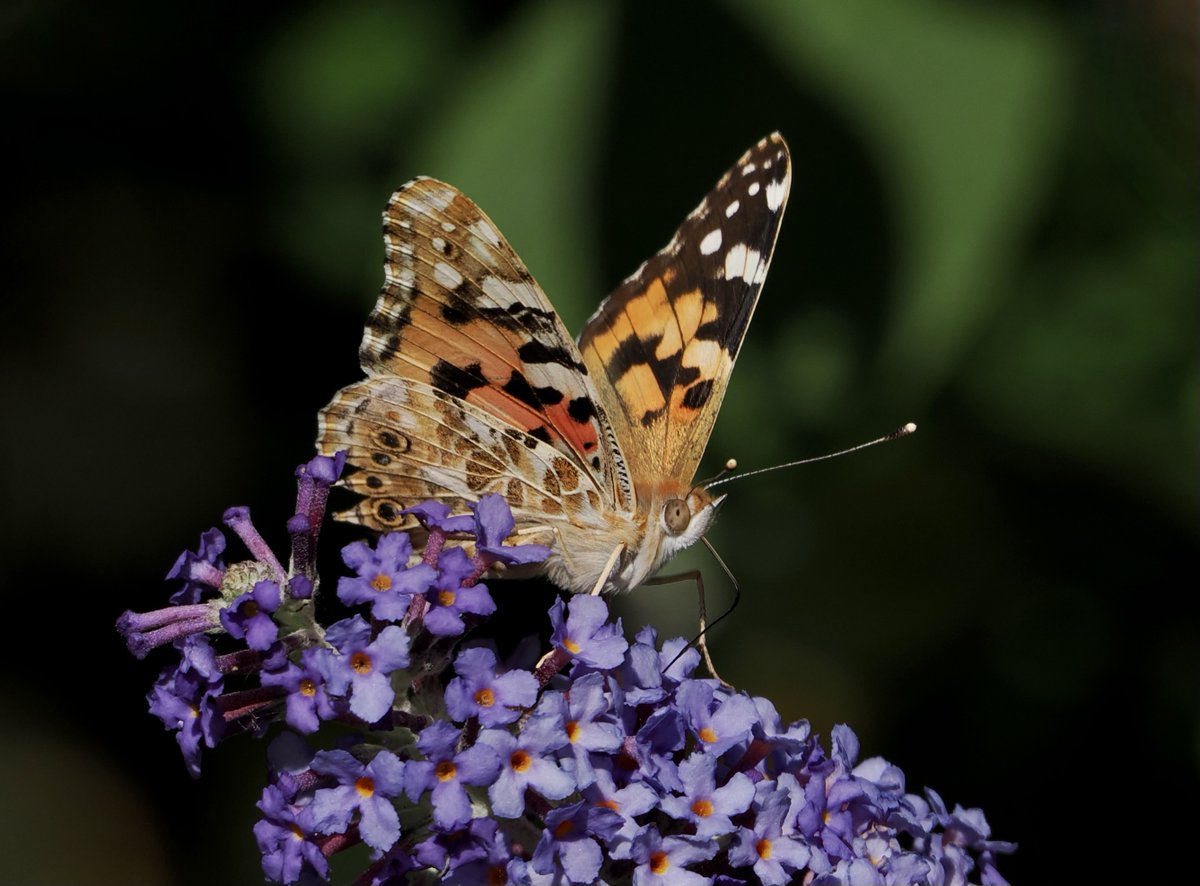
(662, 347)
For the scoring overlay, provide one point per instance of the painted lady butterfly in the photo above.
(474, 385)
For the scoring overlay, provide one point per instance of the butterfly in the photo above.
(475, 386)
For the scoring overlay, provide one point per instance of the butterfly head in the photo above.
(684, 521)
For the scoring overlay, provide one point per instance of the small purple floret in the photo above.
(366, 789)
(249, 616)
(479, 691)
(586, 635)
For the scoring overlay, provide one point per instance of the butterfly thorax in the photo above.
(669, 522)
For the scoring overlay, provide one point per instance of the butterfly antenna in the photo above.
(704, 627)
(730, 465)
(894, 435)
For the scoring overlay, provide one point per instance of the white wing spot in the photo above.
(446, 276)
(503, 291)
(447, 227)
(775, 194)
(753, 189)
(485, 231)
(406, 278)
(439, 244)
(748, 168)
(738, 260)
(731, 209)
(437, 196)
(711, 242)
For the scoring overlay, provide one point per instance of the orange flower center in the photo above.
(703, 808)
(382, 582)
(361, 662)
(563, 828)
(446, 598)
(308, 687)
(572, 646)
(572, 730)
(707, 735)
(763, 848)
(249, 609)
(485, 698)
(659, 862)
(365, 786)
(497, 875)
(445, 770)
(520, 760)
(609, 804)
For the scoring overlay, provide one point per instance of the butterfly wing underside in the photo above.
(473, 383)
(662, 346)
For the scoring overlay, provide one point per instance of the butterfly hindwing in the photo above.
(662, 346)
(412, 442)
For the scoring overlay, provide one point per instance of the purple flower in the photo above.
(493, 524)
(249, 616)
(663, 778)
(568, 843)
(435, 515)
(361, 666)
(238, 519)
(585, 634)
(478, 691)
(307, 701)
(718, 729)
(703, 803)
(200, 572)
(184, 698)
(640, 676)
(773, 854)
(662, 861)
(367, 789)
(447, 773)
(783, 748)
(312, 494)
(497, 865)
(449, 599)
(628, 802)
(384, 579)
(285, 843)
(579, 718)
(438, 523)
(144, 631)
(524, 765)
(653, 671)
(450, 850)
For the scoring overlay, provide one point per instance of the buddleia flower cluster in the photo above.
(603, 761)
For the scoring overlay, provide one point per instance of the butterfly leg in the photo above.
(609, 568)
(701, 641)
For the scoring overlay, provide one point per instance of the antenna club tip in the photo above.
(731, 464)
(910, 428)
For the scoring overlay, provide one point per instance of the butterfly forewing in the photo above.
(460, 314)
(662, 346)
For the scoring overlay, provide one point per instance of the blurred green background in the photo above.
(992, 232)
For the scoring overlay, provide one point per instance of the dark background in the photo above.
(992, 232)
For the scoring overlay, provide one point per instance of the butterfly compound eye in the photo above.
(676, 515)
